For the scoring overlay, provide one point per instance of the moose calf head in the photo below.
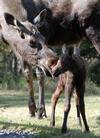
(63, 64)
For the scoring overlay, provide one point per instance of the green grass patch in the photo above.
(14, 114)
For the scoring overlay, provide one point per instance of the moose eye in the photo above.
(22, 35)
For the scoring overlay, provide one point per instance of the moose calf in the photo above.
(72, 80)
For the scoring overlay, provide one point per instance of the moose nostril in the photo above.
(53, 63)
(32, 44)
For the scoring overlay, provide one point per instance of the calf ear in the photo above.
(40, 18)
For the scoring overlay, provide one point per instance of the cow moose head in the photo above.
(26, 41)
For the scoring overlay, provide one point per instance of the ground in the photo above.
(14, 116)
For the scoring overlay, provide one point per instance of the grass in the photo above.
(14, 115)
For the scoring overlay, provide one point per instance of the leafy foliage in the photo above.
(94, 73)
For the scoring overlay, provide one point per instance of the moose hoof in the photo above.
(31, 113)
(79, 122)
(41, 113)
(32, 110)
(52, 124)
(64, 130)
(85, 131)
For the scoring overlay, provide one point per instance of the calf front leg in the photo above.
(54, 100)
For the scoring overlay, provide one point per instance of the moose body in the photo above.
(72, 81)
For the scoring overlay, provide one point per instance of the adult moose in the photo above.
(23, 38)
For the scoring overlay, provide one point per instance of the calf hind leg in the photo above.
(78, 110)
(67, 107)
(82, 107)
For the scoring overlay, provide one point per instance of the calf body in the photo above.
(72, 80)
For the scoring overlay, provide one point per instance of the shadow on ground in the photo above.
(48, 132)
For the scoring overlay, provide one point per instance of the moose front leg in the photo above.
(41, 104)
(29, 78)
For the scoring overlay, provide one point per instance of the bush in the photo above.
(92, 89)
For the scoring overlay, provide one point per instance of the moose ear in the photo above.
(40, 18)
(10, 20)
